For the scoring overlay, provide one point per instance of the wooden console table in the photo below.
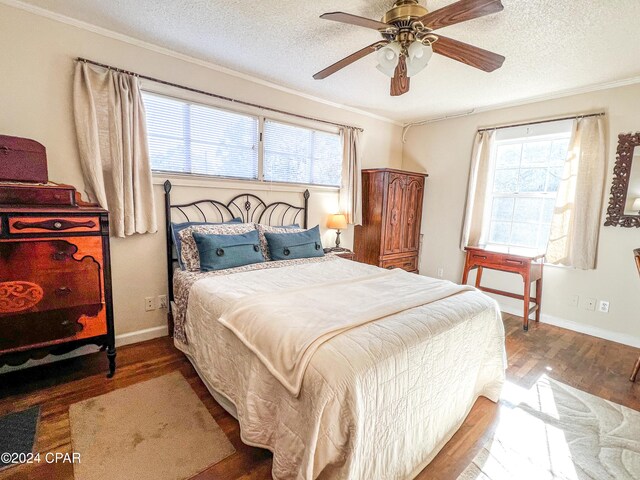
(529, 266)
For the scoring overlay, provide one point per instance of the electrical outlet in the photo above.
(162, 301)
(589, 303)
(149, 304)
(440, 272)
(575, 301)
(603, 306)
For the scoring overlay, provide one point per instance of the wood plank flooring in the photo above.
(587, 363)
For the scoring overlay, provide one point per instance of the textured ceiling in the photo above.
(550, 45)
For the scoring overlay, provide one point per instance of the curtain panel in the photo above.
(351, 187)
(112, 139)
(576, 220)
(477, 189)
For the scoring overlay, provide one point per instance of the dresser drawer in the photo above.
(23, 225)
(410, 264)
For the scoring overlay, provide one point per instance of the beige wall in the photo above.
(36, 58)
(443, 149)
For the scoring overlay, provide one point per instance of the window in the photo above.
(191, 138)
(301, 155)
(526, 173)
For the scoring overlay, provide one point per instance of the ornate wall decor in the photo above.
(19, 296)
(620, 185)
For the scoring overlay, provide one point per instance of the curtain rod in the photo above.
(214, 95)
(537, 122)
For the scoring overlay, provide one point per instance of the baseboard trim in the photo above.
(121, 340)
(617, 337)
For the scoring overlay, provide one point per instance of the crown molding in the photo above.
(42, 12)
(529, 100)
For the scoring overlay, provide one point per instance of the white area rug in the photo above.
(554, 431)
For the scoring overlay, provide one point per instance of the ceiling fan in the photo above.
(409, 39)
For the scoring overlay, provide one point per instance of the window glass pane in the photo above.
(559, 149)
(535, 153)
(500, 232)
(508, 156)
(553, 178)
(524, 234)
(189, 138)
(528, 209)
(301, 155)
(505, 181)
(502, 209)
(547, 210)
(532, 180)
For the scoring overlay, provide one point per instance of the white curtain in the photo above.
(351, 188)
(477, 189)
(112, 139)
(576, 220)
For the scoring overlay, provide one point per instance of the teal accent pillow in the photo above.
(176, 228)
(289, 246)
(218, 252)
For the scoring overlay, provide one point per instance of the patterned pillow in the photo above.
(262, 229)
(190, 256)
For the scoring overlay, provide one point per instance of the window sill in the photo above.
(236, 184)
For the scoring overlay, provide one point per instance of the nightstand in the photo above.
(342, 253)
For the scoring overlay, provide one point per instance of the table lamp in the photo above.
(337, 222)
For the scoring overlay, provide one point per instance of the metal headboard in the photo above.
(247, 206)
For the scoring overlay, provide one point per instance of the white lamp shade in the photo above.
(388, 58)
(636, 205)
(418, 58)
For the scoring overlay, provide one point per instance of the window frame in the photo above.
(197, 99)
(563, 132)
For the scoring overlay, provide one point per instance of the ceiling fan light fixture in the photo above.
(388, 58)
(418, 56)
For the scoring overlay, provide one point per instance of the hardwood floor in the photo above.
(587, 363)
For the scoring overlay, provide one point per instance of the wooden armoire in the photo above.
(391, 215)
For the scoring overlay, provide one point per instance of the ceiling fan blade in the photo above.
(400, 83)
(465, 53)
(354, 57)
(460, 12)
(359, 21)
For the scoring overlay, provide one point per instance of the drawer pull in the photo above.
(63, 291)
(482, 257)
(517, 262)
(54, 224)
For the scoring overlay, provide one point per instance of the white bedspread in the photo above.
(285, 328)
(377, 401)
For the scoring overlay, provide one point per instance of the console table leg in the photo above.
(478, 277)
(539, 296)
(111, 356)
(527, 301)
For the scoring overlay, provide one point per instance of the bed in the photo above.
(375, 399)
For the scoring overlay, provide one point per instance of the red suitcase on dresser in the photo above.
(22, 160)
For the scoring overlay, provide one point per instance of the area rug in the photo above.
(18, 433)
(554, 431)
(156, 430)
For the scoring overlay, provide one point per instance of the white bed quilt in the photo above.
(377, 401)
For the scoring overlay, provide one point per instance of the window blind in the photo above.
(196, 139)
(301, 155)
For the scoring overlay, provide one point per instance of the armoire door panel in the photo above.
(393, 234)
(412, 208)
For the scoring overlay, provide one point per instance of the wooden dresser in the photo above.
(55, 281)
(391, 216)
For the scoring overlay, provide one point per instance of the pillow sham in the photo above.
(176, 228)
(262, 229)
(292, 245)
(190, 250)
(217, 252)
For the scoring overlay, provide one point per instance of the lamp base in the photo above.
(337, 239)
